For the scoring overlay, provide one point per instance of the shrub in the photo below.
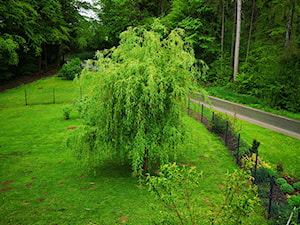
(297, 186)
(70, 69)
(218, 124)
(280, 181)
(279, 167)
(66, 113)
(280, 212)
(294, 201)
(287, 188)
(263, 175)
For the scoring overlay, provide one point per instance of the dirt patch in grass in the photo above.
(6, 183)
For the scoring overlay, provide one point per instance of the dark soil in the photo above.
(17, 81)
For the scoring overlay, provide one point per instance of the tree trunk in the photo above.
(250, 31)
(222, 34)
(289, 25)
(162, 8)
(40, 62)
(237, 40)
(233, 34)
(46, 58)
(58, 56)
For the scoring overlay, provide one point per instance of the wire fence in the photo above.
(41, 96)
(228, 130)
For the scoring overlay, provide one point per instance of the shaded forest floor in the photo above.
(17, 81)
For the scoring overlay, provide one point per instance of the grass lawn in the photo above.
(248, 100)
(41, 183)
(275, 147)
(41, 92)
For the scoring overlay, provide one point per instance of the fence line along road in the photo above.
(281, 124)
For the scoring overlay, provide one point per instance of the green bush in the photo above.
(218, 124)
(294, 201)
(66, 113)
(71, 69)
(297, 186)
(287, 188)
(280, 181)
(263, 175)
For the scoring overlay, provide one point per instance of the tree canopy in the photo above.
(139, 91)
(30, 28)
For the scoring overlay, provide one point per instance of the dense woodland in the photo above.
(263, 36)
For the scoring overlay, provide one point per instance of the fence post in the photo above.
(226, 134)
(26, 102)
(80, 92)
(202, 110)
(270, 197)
(255, 166)
(53, 91)
(212, 122)
(238, 149)
(189, 104)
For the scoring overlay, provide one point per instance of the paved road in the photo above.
(271, 121)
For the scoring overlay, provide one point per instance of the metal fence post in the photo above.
(238, 149)
(26, 102)
(202, 110)
(53, 92)
(212, 122)
(226, 134)
(270, 197)
(255, 166)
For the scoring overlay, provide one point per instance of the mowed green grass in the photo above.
(44, 91)
(274, 147)
(41, 182)
(249, 100)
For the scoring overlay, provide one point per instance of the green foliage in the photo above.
(280, 181)
(240, 199)
(281, 212)
(66, 112)
(71, 69)
(176, 189)
(137, 99)
(279, 167)
(195, 17)
(294, 201)
(287, 188)
(296, 185)
(263, 175)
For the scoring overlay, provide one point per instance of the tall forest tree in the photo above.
(35, 32)
(237, 39)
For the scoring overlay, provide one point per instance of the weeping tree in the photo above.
(137, 99)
